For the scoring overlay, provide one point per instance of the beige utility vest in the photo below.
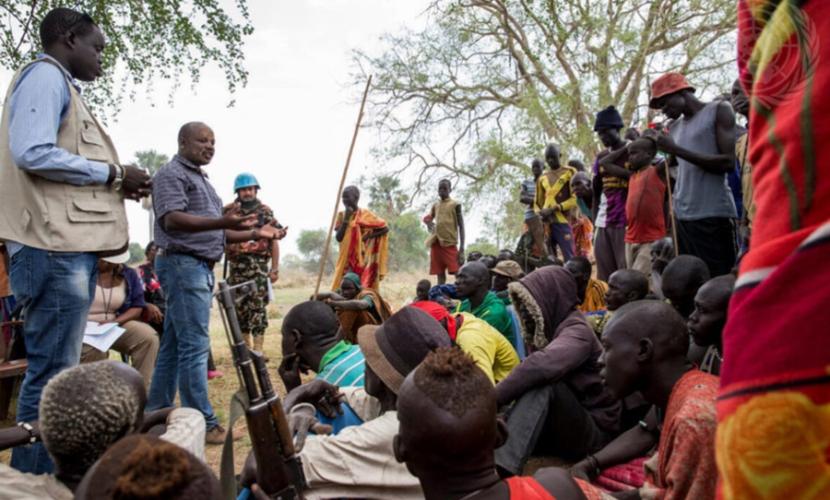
(53, 215)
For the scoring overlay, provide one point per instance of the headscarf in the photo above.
(440, 314)
(354, 278)
(549, 295)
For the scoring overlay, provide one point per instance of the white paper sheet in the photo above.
(102, 336)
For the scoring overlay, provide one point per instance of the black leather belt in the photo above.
(167, 253)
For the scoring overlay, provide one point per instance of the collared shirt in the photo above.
(359, 462)
(181, 186)
(25, 486)
(36, 107)
(343, 365)
(493, 311)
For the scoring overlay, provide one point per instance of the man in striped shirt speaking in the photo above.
(310, 341)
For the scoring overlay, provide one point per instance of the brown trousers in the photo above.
(139, 342)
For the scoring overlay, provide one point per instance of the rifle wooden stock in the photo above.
(279, 470)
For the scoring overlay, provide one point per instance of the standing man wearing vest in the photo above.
(63, 196)
(191, 232)
(702, 140)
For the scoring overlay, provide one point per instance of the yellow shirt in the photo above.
(550, 186)
(490, 350)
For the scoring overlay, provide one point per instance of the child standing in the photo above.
(446, 223)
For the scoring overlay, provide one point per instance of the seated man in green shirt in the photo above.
(310, 341)
(473, 286)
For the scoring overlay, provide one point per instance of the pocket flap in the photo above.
(91, 136)
(91, 205)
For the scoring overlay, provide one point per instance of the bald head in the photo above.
(552, 156)
(351, 197)
(624, 286)
(682, 277)
(472, 277)
(447, 414)
(639, 337)
(708, 319)
(196, 143)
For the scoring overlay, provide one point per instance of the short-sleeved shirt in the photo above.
(529, 189)
(493, 311)
(615, 191)
(490, 350)
(181, 186)
(644, 207)
(343, 365)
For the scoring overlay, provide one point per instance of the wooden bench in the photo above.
(10, 370)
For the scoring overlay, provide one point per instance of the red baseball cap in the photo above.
(666, 85)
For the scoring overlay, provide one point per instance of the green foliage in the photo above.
(146, 41)
(477, 92)
(407, 251)
(136, 253)
(310, 244)
(151, 160)
(407, 234)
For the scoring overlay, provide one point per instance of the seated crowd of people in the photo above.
(634, 336)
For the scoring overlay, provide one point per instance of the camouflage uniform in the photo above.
(251, 260)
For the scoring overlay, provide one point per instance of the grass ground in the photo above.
(292, 288)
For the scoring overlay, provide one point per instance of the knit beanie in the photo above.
(608, 118)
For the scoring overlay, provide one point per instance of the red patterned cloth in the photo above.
(527, 488)
(621, 477)
(774, 401)
(684, 465)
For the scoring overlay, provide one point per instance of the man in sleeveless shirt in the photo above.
(446, 223)
(702, 141)
(63, 193)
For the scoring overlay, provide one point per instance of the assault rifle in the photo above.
(279, 470)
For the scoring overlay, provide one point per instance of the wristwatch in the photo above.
(118, 181)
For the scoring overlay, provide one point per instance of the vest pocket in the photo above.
(89, 209)
(92, 145)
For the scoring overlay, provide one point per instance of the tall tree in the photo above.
(147, 41)
(482, 87)
(310, 243)
(407, 236)
(152, 161)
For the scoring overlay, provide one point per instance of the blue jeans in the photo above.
(56, 289)
(182, 360)
(562, 236)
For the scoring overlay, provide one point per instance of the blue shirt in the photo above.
(37, 105)
(181, 186)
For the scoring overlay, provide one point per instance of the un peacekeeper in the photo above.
(253, 260)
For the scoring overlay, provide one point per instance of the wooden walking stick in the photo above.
(671, 208)
(325, 254)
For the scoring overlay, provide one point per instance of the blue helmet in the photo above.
(245, 180)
